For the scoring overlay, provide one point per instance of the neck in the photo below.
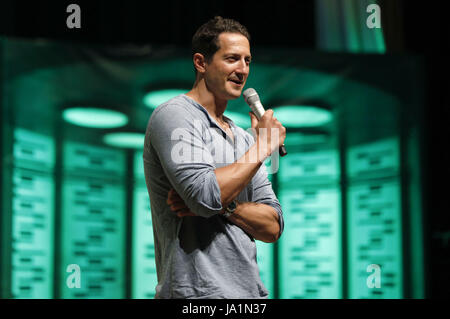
(215, 106)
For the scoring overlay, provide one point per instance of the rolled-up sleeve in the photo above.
(177, 138)
(263, 193)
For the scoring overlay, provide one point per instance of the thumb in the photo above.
(253, 119)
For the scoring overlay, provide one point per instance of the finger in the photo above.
(178, 206)
(268, 113)
(169, 196)
(173, 197)
(254, 119)
(185, 213)
(177, 203)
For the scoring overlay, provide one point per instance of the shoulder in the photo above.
(177, 112)
(173, 108)
(176, 115)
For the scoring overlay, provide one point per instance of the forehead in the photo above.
(233, 42)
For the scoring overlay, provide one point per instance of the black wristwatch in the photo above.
(229, 210)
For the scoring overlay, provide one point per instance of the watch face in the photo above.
(232, 206)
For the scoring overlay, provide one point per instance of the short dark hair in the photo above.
(205, 40)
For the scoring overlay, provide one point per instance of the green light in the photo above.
(155, 98)
(125, 139)
(302, 116)
(296, 139)
(94, 117)
(241, 120)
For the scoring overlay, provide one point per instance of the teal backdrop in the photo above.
(350, 187)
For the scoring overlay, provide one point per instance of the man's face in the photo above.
(227, 72)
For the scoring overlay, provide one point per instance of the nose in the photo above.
(243, 67)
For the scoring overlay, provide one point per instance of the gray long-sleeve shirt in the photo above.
(204, 256)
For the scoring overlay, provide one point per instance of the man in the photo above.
(207, 211)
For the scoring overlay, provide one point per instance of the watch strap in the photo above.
(229, 210)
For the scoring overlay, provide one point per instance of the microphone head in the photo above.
(250, 96)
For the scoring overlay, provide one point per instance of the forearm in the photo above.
(259, 220)
(233, 178)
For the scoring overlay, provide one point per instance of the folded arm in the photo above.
(259, 220)
(204, 189)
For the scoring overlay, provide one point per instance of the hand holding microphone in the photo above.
(265, 120)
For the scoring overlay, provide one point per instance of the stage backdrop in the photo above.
(76, 220)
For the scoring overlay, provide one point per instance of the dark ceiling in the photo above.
(271, 23)
(407, 27)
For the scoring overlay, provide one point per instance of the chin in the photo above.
(234, 94)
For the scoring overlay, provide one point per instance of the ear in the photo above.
(199, 62)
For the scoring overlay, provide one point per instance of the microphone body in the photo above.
(252, 99)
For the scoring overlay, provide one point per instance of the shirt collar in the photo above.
(211, 120)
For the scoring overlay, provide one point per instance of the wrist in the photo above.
(230, 209)
(263, 150)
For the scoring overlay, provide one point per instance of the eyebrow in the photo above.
(237, 54)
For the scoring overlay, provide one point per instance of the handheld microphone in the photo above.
(252, 99)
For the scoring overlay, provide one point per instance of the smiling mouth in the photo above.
(237, 82)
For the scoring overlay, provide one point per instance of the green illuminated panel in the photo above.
(32, 150)
(143, 262)
(377, 159)
(375, 239)
(138, 167)
(307, 167)
(93, 223)
(32, 216)
(144, 267)
(265, 265)
(310, 247)
(92, 160)
(310, 254)
(374, 221)
(265, 250)
(32, 229)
